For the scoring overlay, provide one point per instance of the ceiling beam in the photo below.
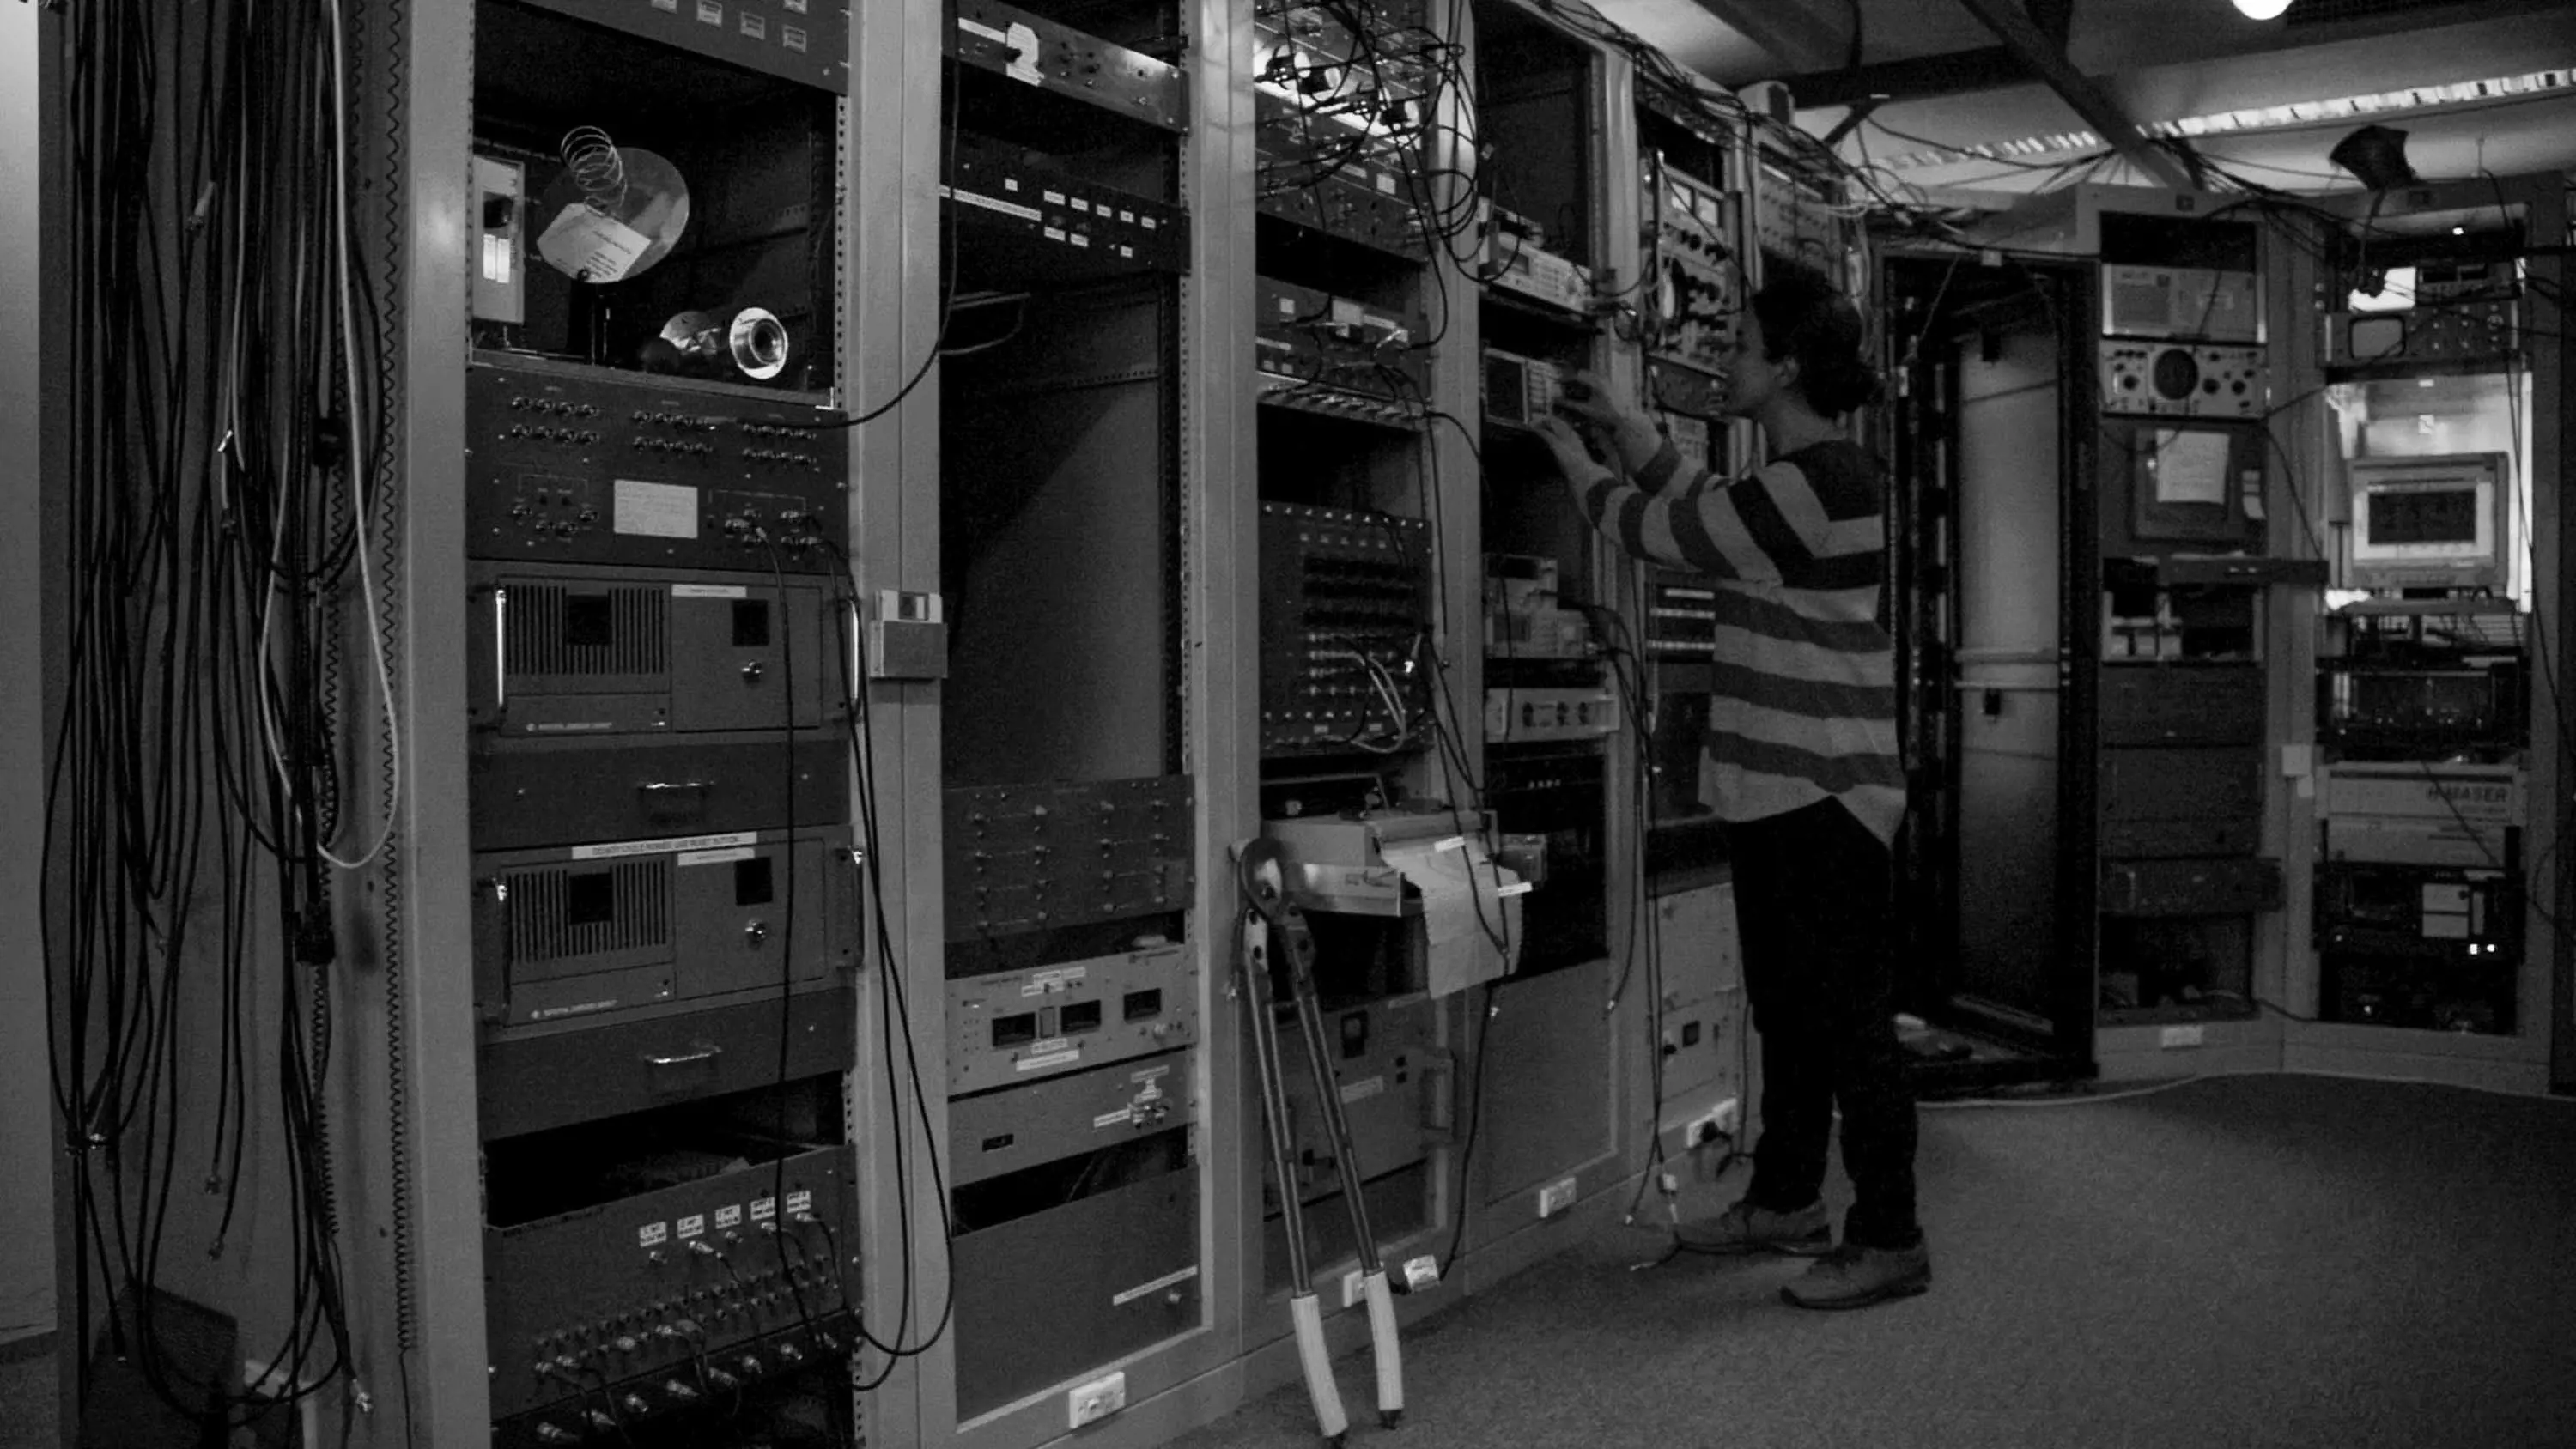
(2055, 19)
(1802, 35)
(2026, 41)
(1920, 78)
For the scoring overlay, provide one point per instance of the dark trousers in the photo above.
(1813, 904)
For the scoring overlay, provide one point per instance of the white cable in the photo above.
(356, 465)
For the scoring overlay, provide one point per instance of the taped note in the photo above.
(583, 243)
(1023, 42)
(2191, 467)
(654, 510)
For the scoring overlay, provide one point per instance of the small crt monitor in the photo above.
(2430, 523)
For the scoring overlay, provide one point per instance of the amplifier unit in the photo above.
(2422, 814)
(2486, 330)
(1686, 392)
(568, 465)
(795, 40)
(1681, 619)
(1315, 349)
(1345, 603)
(598, 930)
(1520, 390)
(1525, 716)
(1694, 301)
(1017, 215)
(574, 789)
(2182, 380)
(1518, 265)
(1386, 1069)
(1020, 1026)
(2380, 909)
(1023, 858)
(568, 650)
(1795, 216)
(1056, 58)
(667, 1299)
(993, 1133)
(2190, 302)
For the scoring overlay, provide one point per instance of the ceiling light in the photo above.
(2262, 9)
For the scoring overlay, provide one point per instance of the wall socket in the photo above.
(1090, 1403)
(2179, 1036)
(1556, 1197)
(1354, 1287)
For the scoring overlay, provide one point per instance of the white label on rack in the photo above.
(710, 591)
(654, 510)
(1127, 251)
(671, 846)
(792, 37)
(1055, 978)
(693, 1226)
(994, 203)
(710, 12)
(1127, 217)
(652, 1235)
(1078, 239)
(754, 27)
(729, 1216)
(673, 6)
(714, 857)
(1112, 1119)
(795, 7)
(1121, 1300)
(1055, 233)
(1150, 1074)
(1023, 41)
(1049, 1059)
(1454, 842)
(1051, 197)
(972, 27)
(1146, 222)
(1516, 888)
(800, 1201)
(763, 1209)
(1079, 204)
(1386, 183)
(1364, 1088)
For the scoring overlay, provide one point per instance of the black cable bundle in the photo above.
(214, 441)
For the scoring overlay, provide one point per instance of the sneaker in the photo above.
(1745, 1228)
(1855, 1277)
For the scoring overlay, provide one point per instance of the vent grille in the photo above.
(565, 912)
(555, 631)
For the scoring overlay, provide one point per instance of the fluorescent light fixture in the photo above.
(2262, 9)
(2222, 123)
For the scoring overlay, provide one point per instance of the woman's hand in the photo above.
(1587, 401)
(1572, 458)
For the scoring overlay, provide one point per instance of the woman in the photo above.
(1802, 741)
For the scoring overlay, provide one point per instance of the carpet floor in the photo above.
(2267, 1261)
(2239, 1263)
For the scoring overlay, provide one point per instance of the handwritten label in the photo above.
(664, 847)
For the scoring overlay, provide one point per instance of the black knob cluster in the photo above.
(553, 407)
(543, 434)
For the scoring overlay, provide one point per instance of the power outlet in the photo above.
(1556, 1197)
(1353, 1289)
(1097, 1400)
(2179, 1036)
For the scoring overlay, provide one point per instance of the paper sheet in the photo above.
(2191, 466)
(1463, 910)
(583, 243)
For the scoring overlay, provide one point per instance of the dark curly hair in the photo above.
(1805, 318)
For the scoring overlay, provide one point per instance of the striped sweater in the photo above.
(1805, 706)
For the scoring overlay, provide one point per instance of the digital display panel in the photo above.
(2426, 515)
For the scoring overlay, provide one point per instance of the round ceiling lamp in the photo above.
(2262, 9)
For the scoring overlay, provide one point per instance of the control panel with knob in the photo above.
(565, 464)
(2173, 379)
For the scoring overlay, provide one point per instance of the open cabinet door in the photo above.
(1998, 951)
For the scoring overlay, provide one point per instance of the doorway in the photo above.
(1996, 866)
